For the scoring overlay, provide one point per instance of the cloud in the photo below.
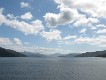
(34, 27)
(37, 24)
(2, 17)
(27, 16)
(82, 40)
(77, 12)
(65, 16)
(52, 35)
(93, 28)
(8, 41)
(94, 9)
(25, 27)
(69, 37)
(101, 26)
(99, 41)
(17, 41)
(102, 31)
(24, 5)
(85, 22)
(83, 30)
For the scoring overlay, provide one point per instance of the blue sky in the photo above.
(51, 26)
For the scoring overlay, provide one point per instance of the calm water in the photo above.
(52, 69)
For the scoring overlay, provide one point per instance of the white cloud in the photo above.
(69, 37)
(52, 35)
(93, 28)
(2, 17)
(95, 9)
(8, 41)
(69, 12)
(84, 21)
(25, 27)
(101, 26)
(83, 30)
(38, 25)
(99, 41)
(24, 5)
(65, 16)
(34, 28)
(27, 16)
(17, 41)
(102, 31)
(84, 40)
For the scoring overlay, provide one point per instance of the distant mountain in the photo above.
(30, 54)
(10, 53)
(93, 54)
(55, 55)
(70, 55)
(103, 55)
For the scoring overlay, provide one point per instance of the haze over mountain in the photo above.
(70, 55)
(30, 54)
(55, 55)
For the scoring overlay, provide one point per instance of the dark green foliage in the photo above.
(10, 53)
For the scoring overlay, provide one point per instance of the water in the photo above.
(52, 68)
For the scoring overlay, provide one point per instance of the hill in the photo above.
(103, 55)
(93, 54)
(10, 53)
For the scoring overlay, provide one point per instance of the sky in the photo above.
(53, 26)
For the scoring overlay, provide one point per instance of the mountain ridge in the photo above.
(92, 54)
(10, 53)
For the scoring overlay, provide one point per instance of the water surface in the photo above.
(52, 68)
